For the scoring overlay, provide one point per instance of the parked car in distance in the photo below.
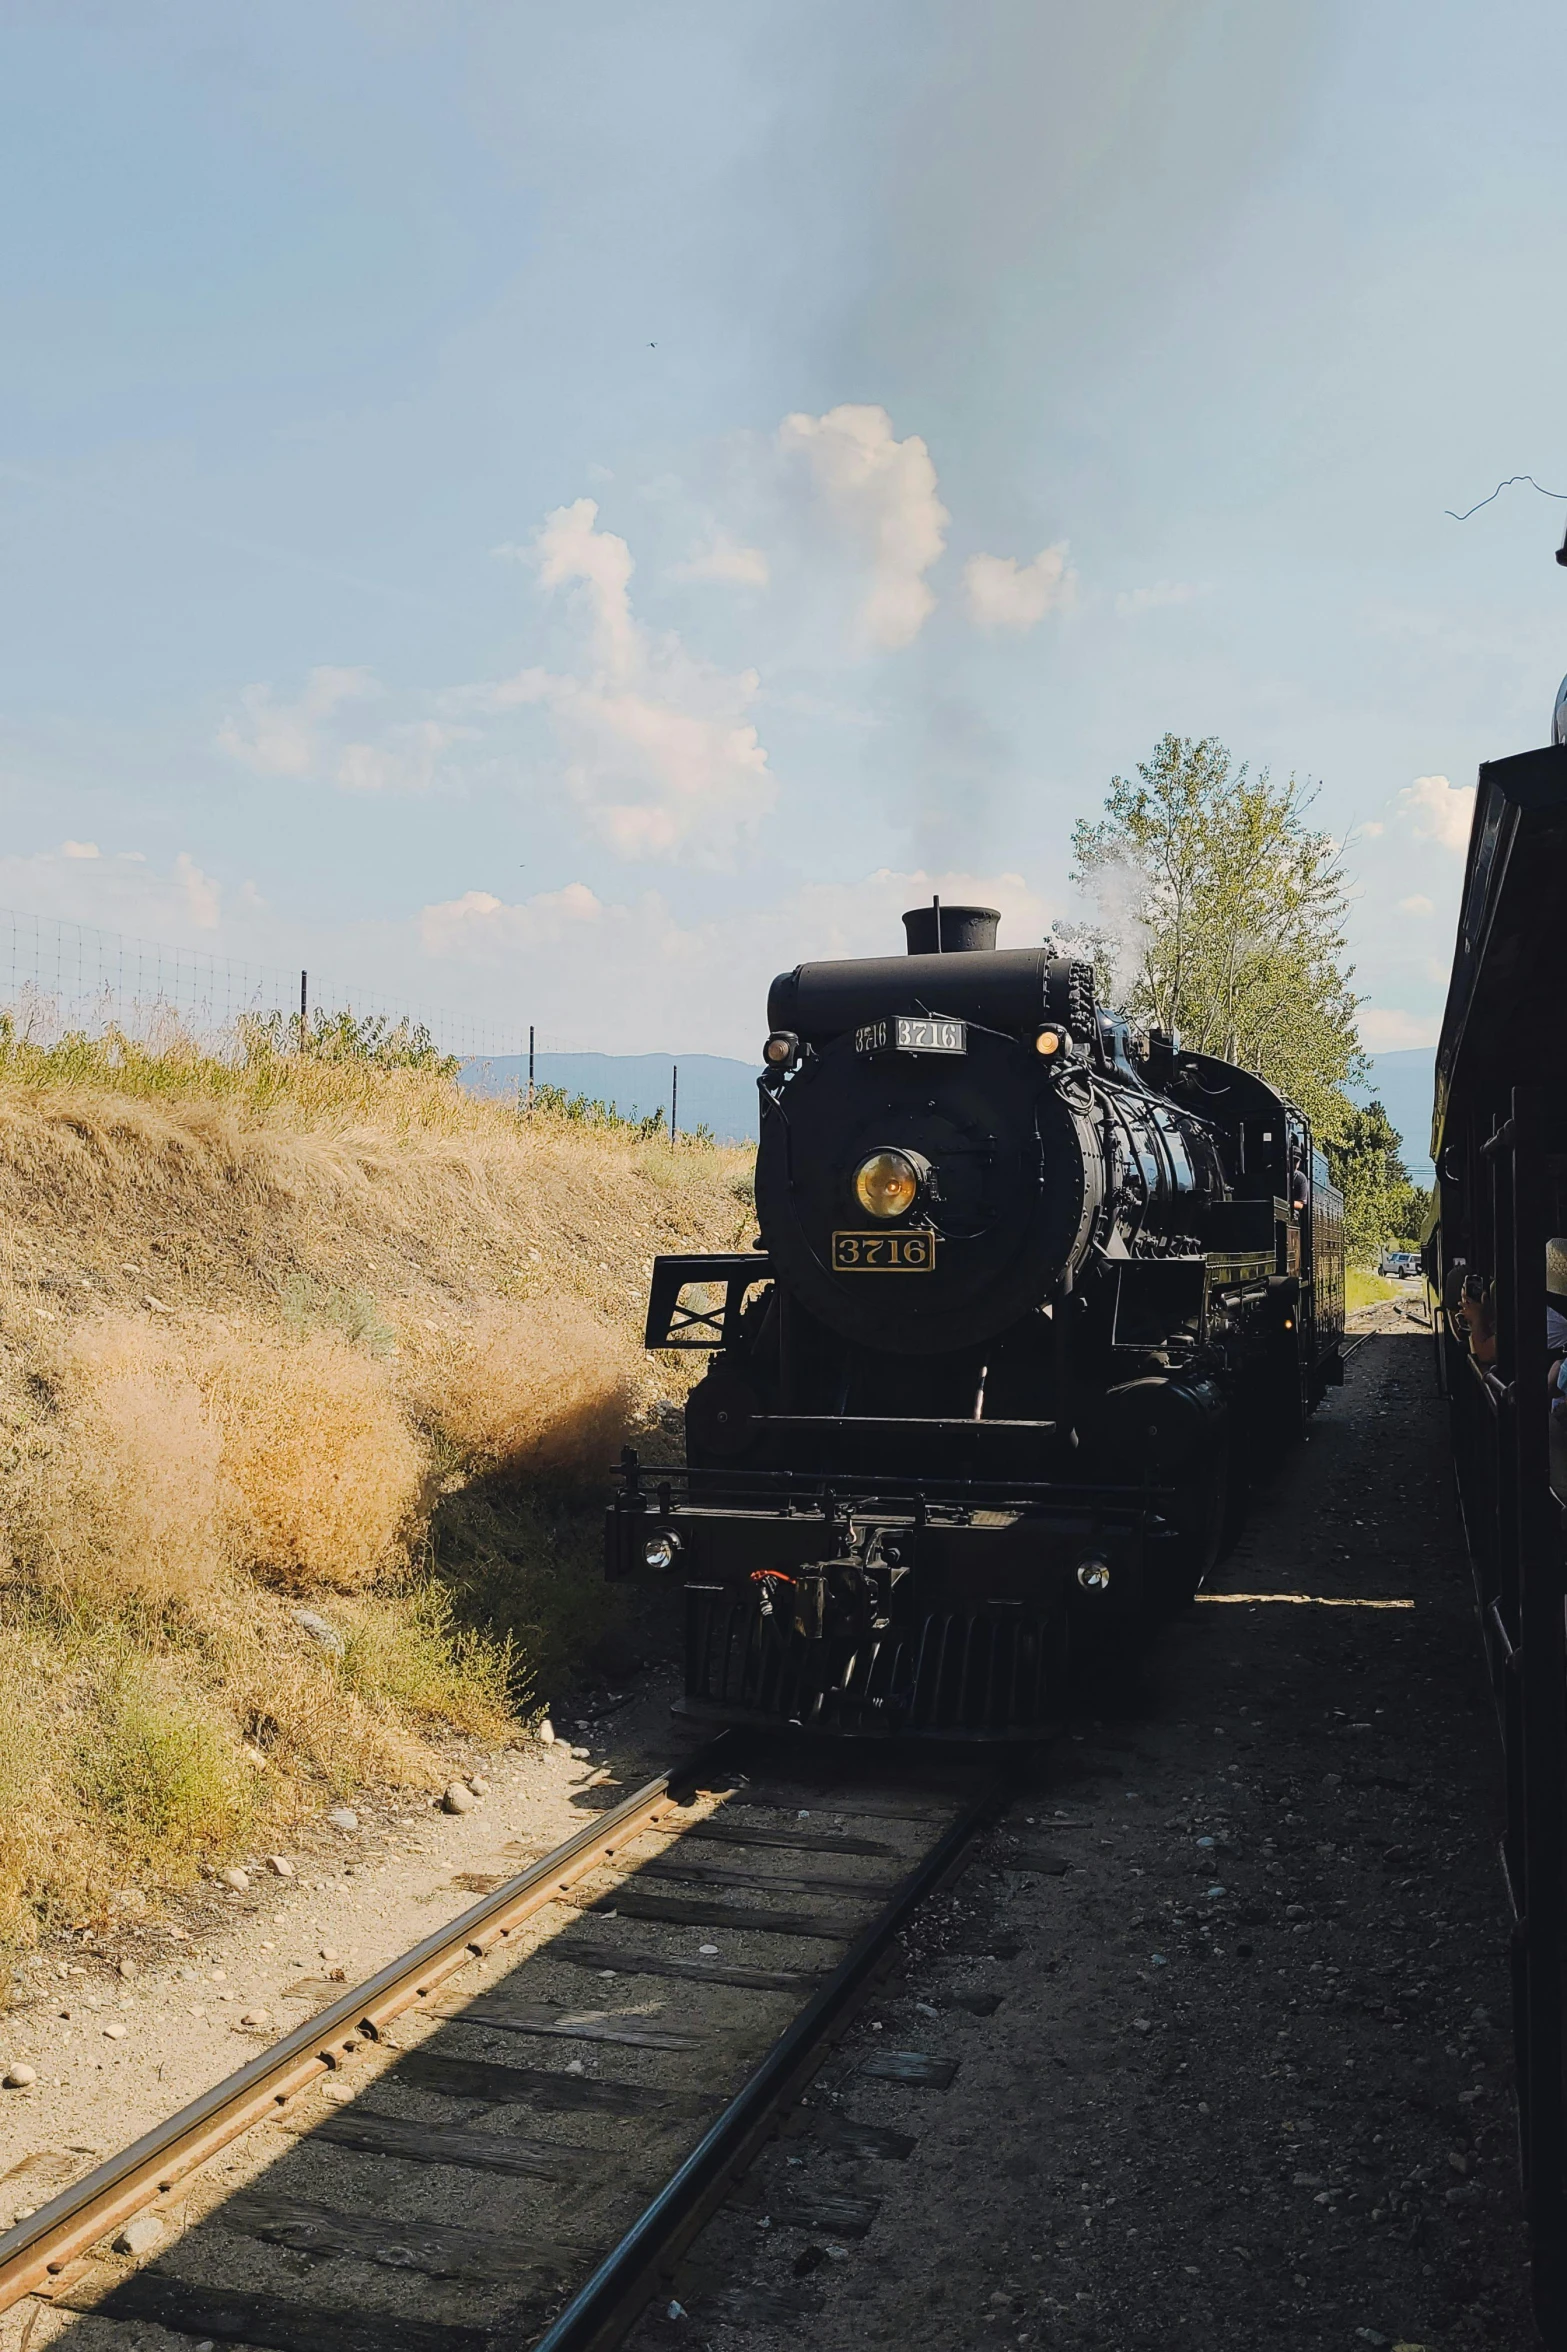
(1399, 1263)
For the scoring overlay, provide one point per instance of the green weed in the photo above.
(412, 1657)
(310, 1305)
(529, 1571)
(161, 1777)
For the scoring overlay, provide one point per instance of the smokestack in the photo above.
(951, 930)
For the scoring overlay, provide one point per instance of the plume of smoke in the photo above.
(1108, 926)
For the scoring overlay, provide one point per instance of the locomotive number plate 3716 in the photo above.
(883, 1253)
(912, 1033)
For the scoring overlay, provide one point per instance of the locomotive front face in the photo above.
(1020, 1282)
(920, 1196)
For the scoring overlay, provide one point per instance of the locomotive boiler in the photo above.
(1034, 1295)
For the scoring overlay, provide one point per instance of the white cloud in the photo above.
(660, 751)
(203, 897)
(1130, 602)
(1004, 594)
(1439, 811)
(570, 552)
(636, 978)
(306, 738)
(724, 562)
(122, 892)
(880, 494)
(1372, 829)
(660, 748)
(481, 923)
(1417, 905)
(865, 917)
(80, 849)
(626, 977)
(1384, 1029)
(291, 738)
(407, 759)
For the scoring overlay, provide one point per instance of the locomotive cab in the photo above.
(1030, 1294)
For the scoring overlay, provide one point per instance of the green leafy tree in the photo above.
(1383, 1208)
(1225, 909)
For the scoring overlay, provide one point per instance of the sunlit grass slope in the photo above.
(286, 1332)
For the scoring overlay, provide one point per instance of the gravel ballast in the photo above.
(1245, 2077)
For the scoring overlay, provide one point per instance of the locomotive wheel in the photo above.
(1237, 1502)
(1202, 1516)
(1278, 1412)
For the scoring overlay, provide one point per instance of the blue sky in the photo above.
(564, 512)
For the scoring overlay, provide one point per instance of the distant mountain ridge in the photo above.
(720, 1093)
(715, 1092)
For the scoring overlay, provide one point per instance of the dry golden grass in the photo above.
(253, 1329)
(539, 1387)
(322, 1476)
(120, 1494)
(173, 1454)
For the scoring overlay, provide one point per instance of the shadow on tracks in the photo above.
(457, 2179)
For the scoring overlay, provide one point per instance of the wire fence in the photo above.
(57, 977)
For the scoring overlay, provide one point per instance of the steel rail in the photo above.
(600, 2312)
(37, 2251)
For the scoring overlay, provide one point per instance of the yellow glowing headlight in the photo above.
(886, 1184)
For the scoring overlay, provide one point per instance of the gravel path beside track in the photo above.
(230, 1971)
(1246, 2082)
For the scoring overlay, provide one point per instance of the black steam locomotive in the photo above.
(1033, 1297)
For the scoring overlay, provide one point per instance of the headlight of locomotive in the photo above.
(887, 1184)
(661, 1550)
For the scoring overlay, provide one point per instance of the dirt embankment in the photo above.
(296, 1382)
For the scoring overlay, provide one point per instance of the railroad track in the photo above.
(508, 2135)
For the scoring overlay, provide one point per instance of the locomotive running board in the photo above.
(642, 1481)
(893, 1424)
